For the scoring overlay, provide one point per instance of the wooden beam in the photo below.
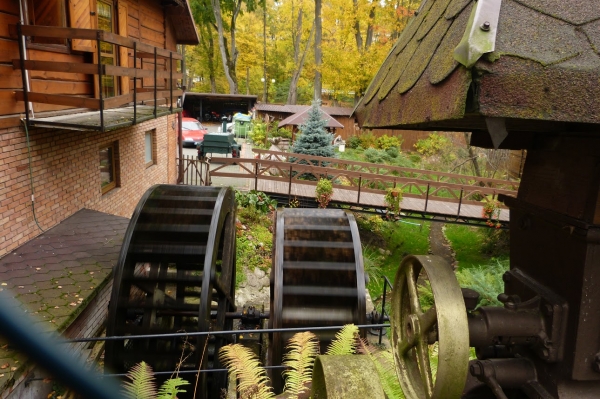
(137, 73)
(57, 66)
(114, 102)
(59, 99)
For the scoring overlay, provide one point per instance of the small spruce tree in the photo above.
(314, 138)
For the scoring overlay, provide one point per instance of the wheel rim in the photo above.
(412, 328)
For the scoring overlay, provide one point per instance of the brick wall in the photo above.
(66, 174)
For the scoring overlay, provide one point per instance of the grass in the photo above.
(466, 241)
(254, 242)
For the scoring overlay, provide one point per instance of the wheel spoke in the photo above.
(413, 295)
(424, 366)
(427, 320)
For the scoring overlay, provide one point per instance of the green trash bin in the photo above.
(241, 125)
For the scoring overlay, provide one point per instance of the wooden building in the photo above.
(344, 116)
(88, 100)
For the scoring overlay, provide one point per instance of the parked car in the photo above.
(193, 132)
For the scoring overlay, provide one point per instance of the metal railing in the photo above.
(135, 95)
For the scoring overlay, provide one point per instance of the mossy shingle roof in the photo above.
(545, 67)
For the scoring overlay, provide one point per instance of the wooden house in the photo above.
(88, 100)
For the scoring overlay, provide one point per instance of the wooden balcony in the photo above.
(158, 96)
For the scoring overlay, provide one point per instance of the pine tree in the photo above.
(314, 138)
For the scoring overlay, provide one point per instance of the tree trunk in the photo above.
(264, 52)
(293, 93)
(318, 52)
(472, 155)
(357, 35)
(229, 74)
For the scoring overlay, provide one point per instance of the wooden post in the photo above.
(459, 202)
(359, 184)
(290, 186)
(426, 198)
(255, 176)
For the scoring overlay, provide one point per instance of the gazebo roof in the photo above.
(540, 70)
(300, 117)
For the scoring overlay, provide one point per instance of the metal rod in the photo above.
(215, 333)
(155, 82)
(23, 75)
(426, 198)
(134, 83)
(459, 202)
(385, 283)
(255, 176)
(100, 85)
(359, 184)
(171, 80)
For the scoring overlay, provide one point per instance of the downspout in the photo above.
(22, 12)
(180, 119)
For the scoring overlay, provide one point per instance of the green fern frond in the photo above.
(302, 350)
(252, 379)
(384, 364)
(142, 384)
(344, 342)
(170, 388)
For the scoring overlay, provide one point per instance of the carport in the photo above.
(202, 105)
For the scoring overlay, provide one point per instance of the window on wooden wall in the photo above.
(108, 52)
(150, 146)
(109, 167)
(47, 13)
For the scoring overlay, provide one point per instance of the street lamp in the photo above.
(266, 89)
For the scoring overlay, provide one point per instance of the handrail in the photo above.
(359, 181)
(489, 182)
(140, 50)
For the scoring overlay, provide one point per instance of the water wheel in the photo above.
(317, 278)
(176, 273)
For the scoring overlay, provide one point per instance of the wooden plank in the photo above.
(10, 7)
(138, 73)
(58, 99)
(114, 102)
(152, 19)
(153, 37)
(41, 55)
(80, 15)
(9, 49)
(10, 121)
(58, 66)
(9, 103)
(5, 21)
(10, 78)
(60, 87)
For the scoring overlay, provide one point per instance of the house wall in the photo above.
(66, 177)
(145, 21)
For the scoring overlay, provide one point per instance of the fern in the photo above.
(170, 388)
(142, 384)
(386, 369)
(252, 379)
(344, 342)
(303, 348)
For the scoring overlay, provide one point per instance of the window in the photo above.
(108, 52)
(150, 141)
(109, 171)
(47, 13)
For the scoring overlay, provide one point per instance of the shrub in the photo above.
(258, 134)
(284, 132)
(432, 145)
(324, 192)
(255, 199)
(353, 142)
(374, 156)
(368, 140)
(392, 152)
(486, 280)
(393, 198)
(384, 142)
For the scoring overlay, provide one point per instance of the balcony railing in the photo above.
(131, 108)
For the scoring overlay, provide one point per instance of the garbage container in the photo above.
(241, 125)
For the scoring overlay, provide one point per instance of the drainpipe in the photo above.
(22, 12)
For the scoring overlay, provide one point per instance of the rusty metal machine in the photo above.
(176, 273)
(317, 278)
(513, 75)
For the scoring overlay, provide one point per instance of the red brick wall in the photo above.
(66, 175)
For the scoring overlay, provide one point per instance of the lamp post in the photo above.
(266, 88)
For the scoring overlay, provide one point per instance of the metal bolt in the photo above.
(476, 369)
(485, 26)
(506, 277)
